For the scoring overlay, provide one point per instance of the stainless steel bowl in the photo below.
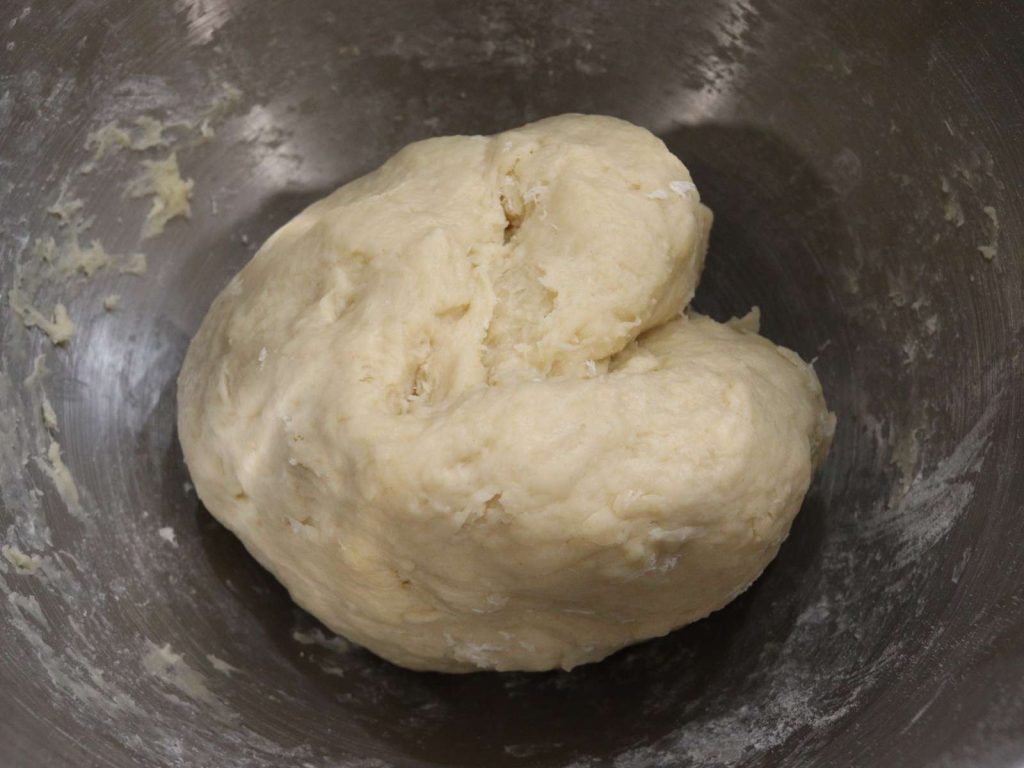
(864, 162)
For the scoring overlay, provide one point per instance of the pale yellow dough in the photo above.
(454, 407)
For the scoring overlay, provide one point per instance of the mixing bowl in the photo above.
(863, 161)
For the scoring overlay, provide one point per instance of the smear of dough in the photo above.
(162, 662)
(53, 465)
(136, 264)
(990, 250)
(66, 210)
(318, 638)
(57, 326)
(49, 414)
(53, 264)
(149, 131)
(70, 257)
(161, 179)
(27, 604)
(22, 562)
(223, 104)
(103, 141)
(151, 134)
(953, 211)
(221, 666)
(87, 261)
(38, 372)
(112, 138)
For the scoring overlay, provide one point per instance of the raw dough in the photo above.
(171, 194)
(455, 408)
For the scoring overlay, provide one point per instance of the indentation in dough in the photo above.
(493, 507)
(453, 314)
(513, 219)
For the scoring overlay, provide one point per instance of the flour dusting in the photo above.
(171, 668)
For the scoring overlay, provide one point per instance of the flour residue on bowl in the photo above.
(927, 507)
(49, 592)
(169, 667)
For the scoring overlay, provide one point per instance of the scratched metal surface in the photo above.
(864, 162)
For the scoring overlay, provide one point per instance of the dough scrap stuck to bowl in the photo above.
(457, 409)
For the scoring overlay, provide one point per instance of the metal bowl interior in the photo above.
(863, 161)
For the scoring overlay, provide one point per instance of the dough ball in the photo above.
(457, 409)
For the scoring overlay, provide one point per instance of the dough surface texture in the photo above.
(458, 410)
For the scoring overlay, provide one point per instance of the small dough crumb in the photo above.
(167, 534)
(112, 302)
(171, 194)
